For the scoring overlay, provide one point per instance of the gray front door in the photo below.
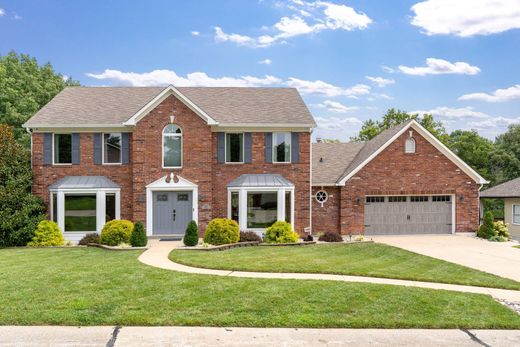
(408, 215)
(172, 212)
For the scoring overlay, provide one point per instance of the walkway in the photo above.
(157, 256)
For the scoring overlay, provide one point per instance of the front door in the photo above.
(172, 212)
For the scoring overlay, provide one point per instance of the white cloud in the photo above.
(336, 107)
(466, 18)
(16, 16)
(498, 95)
(343, 17)
(2, 12)
(326, 89)
(380, 81)
(387, 69)
(440, 66)
(383, 96)
(495, 124)
(341, 128)
(451, 113)
(195, 33)
(242, 40)
(265, 62)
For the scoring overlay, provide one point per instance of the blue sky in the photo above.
(351, 60)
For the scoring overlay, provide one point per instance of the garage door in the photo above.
(398, 215)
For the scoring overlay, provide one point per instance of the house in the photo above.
(510, 192)
(166, 156)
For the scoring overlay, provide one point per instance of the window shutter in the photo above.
(295, 147)
(75, 149)
(97, 148)
(268, 147)
(248, 148)
(47, 149)
(125, 148)
(221, 147)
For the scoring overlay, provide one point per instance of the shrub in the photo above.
(221, 231)
(249, 236)
(308, 238)
(330, 236)
(191, 237)
(47, 234)
(280, 232)
(116, 232)
(359, 238)
(89, 238)
(487, 230)
(138, 237)
(502, 230)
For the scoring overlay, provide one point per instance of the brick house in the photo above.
(165, 156)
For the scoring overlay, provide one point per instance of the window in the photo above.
(110, 207)
(516, 214)
(321, 196)
(234, 148)
(409, 146)
(162, 197)
(281, 147)
(288, 203)
(62, 148)
(418, 198)
(371, 199)
(172, 146)
(234, 206)
(441, 198)
(182, 197)
(397, 199)
(262, 209)
(80, 212)
(54, 207)
(112, 148)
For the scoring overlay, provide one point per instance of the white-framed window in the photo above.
(321, 196)
(418, 198)
(409, 146)
(516, 214)
(62, 149)
(234, 147)
(112, 153)
(172, 146)
(397, 198)
(374, 199)
(282, 147)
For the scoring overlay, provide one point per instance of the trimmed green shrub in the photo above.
(191, 236)
(502, 230)
(116, 232)
(47, 234)
(330, 236)
(487, 230)
(89, 238)
(221, 231)
(280, 232)
(138, 237)
(249, 236)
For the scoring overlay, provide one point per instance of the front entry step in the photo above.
(168, 237)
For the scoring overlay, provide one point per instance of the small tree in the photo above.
(138, 237)
(487, 230)
(191, 237)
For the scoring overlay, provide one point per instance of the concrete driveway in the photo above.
(499, 258)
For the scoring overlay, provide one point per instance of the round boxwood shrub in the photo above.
(221, 231)
(89, 238)
(47, 234)
(138, 237)
(280, 232)
(191, 237)
(330, 236)
(249, 236)
(116, 232)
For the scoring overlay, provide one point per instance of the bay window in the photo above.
(80, 212)
(262, 209)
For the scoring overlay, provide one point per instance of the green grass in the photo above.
(516, 246)
(362, 259)
(90, 286)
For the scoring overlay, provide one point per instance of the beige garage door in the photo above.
(401, 215)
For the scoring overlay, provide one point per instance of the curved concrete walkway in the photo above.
(157, 256)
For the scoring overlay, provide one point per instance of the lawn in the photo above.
(90, 286)
(361, 259)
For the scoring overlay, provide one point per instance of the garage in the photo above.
(400, 215)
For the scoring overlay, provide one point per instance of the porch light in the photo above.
(172, 119)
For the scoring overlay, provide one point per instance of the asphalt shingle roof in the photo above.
(510, 189)
(329, 160)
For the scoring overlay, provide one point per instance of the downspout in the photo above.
(310, 183)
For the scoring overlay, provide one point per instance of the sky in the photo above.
(350, 60)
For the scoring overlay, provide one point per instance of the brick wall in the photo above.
(326, 217)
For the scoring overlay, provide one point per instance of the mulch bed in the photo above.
(115, 248)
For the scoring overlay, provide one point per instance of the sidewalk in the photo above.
(157, 256)
(248, 337)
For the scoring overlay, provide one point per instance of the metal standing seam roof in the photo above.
(510, 189)
(83, 182)
(260, 180)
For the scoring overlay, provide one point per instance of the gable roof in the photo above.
(223, 106)
(329, 161)
(510, 189)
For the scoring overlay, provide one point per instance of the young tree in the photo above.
(20, 211)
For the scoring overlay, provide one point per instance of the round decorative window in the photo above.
(321, 196)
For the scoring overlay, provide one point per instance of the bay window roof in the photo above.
(84, 182)
(260, 180)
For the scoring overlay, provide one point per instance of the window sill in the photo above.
(234, 162)
(62, 164)
(112, 164)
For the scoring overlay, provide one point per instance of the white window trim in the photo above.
(54, 149)
(103, 148)
(326, 197)
(181, 135)
(274, 147)
(513, 214)
(225, 149)
(410, 140)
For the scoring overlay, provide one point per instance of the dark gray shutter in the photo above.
(75, 149)
(268, 147)
(295, 147)
(97, 148)
(248, 148)
(125, 148)
(221, 147)
(47, 149)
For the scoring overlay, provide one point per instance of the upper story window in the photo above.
(234, 148)
(409, 146)
(112, 148)
(62, 148)
(282, 147)
(172, 146)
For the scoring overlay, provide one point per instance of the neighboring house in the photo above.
(166, 156)
(510, 192)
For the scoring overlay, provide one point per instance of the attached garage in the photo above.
(400, 215)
